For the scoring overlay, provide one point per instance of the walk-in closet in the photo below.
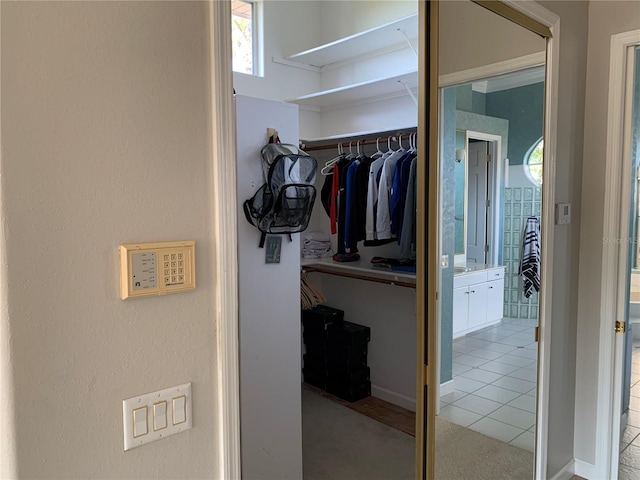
(328, 331)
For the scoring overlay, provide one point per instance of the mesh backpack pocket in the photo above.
(285, 202)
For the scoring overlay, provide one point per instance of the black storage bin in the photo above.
(347, 391)
(316, 364)
(348, 333)
(315, 346)
(316, 320)
(314, 378)
(353, 377)
(354, 362)
(343, 350)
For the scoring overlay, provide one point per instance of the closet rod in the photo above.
(373, 141)
(358, 277)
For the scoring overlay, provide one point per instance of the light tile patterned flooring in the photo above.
(629, 468)
(494, 372)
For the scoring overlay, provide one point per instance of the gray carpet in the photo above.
(341, 444)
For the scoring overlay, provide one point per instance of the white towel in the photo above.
(530, 257)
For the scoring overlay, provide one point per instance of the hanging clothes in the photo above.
(408, 236)
(372, 198)
(369, 200)
(530, 257)
(383, 215)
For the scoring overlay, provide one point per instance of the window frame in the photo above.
(256, 39)
(526, 164)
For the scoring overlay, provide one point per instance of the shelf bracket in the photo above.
(413, 97)
(408, 41)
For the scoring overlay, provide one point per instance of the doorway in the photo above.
(626, 407)
(421, 375)
(492, 386)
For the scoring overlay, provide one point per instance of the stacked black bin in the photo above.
(336, 353)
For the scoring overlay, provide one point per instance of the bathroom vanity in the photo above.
(478, 297)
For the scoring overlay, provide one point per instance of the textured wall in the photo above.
(447, 172)
(524, 108)
(105, 140)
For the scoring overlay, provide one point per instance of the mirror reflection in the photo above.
(491, 106)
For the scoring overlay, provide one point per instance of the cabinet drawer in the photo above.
(495, 299)
(495, 274)
(465, 279)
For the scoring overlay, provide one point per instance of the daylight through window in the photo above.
(533, 162)
(243, 36)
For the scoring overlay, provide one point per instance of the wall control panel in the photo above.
(154, 416)
(149, 269)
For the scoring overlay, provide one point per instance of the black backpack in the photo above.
(285, 201)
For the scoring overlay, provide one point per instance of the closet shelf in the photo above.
(359, 270)
(376, 38)
(378, 87)
(368, 134)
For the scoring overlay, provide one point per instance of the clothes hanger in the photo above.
(378, 152)
(351, 155)
(412, 143)
(328, 167)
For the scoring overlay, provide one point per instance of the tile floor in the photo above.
(629, 468)
(494, 372)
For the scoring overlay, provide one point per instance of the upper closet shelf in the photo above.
(361, 43)
(378, 87)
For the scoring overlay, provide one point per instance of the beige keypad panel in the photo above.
(157, 268)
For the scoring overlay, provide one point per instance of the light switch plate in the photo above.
(162, 403)
(563, 213)
(149, 269)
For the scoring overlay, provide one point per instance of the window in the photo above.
(533, 162)
(243, 36)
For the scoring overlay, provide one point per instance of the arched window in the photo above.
(533, 162)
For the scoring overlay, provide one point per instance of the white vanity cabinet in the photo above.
(477, 299)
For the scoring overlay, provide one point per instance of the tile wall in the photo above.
(519, 203)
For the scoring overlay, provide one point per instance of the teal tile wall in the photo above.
(519, 203)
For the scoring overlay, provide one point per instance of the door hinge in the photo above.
(620, 326)
(488, 202)
(425, 375)
(536, 334)
(486, 248)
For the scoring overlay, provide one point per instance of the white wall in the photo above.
(605, 19)
(288, 27)
(390, 312)
(269, 296)
(292, 27)
(105, 140)
(573, 36)
(471, 36)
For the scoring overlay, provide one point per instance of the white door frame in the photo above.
(614, 260)
(495, 175)
(224, 209)
(225, 288)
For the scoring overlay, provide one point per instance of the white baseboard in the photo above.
(586, 470)
(399, 399)
(446, 388)
(566, 472)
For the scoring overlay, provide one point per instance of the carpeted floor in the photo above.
(342, 444)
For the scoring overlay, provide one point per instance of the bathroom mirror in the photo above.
(460, 193)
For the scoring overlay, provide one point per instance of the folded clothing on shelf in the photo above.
(316, 245)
